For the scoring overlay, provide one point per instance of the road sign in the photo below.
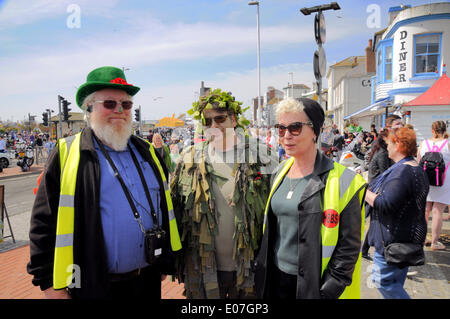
(320, 63)
(320, 32)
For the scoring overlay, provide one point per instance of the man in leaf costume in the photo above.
(219, 191)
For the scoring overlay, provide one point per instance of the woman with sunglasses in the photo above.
(313, 218)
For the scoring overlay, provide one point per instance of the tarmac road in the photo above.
(19, 197)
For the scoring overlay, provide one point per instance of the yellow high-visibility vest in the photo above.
(69, 153)
(341, 186)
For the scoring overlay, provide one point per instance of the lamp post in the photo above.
(292, 83)
(259, 113)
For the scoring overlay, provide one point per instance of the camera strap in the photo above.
(136, 214)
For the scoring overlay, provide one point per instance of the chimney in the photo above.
(370, 58)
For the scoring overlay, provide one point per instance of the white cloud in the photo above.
(20, 12)
(178, 98)
(36, 77)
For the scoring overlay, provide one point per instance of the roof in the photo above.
(297, 86)
(437, 94)
(350, 61)
(74, 116)
(274, 100)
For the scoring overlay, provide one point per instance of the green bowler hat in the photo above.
(104, 78)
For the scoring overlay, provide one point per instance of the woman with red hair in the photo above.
(398, 197)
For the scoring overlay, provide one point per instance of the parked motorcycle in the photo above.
(26, 157)
(352, 157)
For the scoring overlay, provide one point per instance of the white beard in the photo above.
(113, 136)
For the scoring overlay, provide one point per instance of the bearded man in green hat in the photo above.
(102, 224)
(219, 191)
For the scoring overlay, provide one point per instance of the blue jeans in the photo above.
(389, 279)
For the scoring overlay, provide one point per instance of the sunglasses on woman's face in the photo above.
(218, 119)
(293, 128)
(111, 104)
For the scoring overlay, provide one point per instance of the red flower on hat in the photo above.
(258, 177)
(120, 81)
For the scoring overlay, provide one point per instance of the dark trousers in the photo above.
(227, 285)
(365, 246)
(282, 285)
(145, 285)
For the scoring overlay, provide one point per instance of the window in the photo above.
(388, 64)
(427, 53)
(384, 61)
(379, 65)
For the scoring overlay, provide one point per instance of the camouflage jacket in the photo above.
(197, 218)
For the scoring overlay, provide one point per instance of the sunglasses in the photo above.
(111, 104)
(293, 128)
(218, 119)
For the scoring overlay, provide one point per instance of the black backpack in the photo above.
(434, 165)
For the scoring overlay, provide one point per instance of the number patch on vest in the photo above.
(330, 218)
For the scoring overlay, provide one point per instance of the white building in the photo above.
(348, 88)
(410, 54)
(295, 90)
(273, 97)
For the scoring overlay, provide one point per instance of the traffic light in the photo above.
(137, 115)
(45, 119)
(66, 110)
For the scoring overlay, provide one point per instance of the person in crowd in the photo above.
(379, 162)
(150, 136)
(39, 146)
(271, 141)
(102, 224)
(49, 145)
(338, 142)
(174, 154)
(373, 131)
(439, 196)
(312, 234)
(219, 190)
(392, 122)
(398, 199)
(163, 151)
(2, 144)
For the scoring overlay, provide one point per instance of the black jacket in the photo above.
(310, 284)
(379, 163)
(89, 247)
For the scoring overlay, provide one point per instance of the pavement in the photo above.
(431, 281)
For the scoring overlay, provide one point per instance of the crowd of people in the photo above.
(115, 213)
(13, 142)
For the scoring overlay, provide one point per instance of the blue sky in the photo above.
(168, 46)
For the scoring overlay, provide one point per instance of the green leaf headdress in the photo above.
(218, 99)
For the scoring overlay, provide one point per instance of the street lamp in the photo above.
(259, 113)
(292, 83)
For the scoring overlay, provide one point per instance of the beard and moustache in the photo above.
(115, 136)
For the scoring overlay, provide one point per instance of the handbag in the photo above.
(402, 254)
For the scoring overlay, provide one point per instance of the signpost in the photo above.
(320, 34)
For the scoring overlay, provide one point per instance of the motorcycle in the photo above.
(26, 157)
(353, 158)
(332, 153)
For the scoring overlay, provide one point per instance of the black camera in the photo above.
(154, 242)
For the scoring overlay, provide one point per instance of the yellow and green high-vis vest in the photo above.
(69, 153)
(341, 186)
